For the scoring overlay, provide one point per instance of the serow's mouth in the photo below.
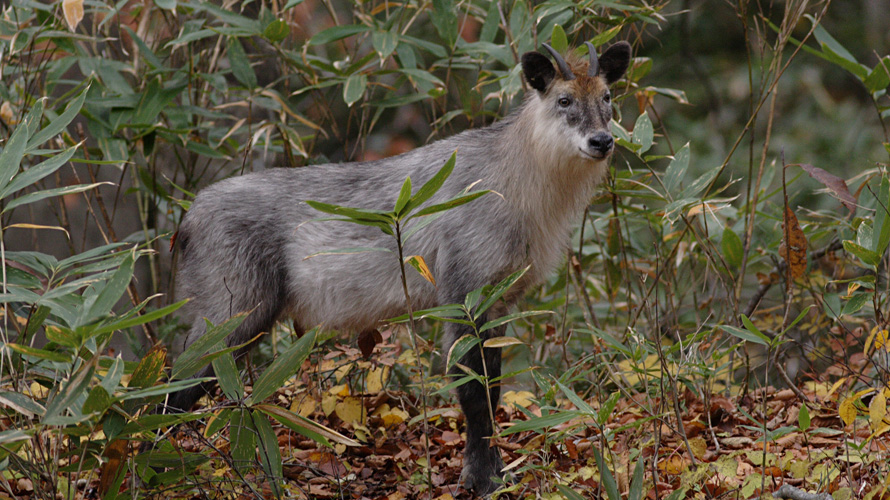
(596, 154)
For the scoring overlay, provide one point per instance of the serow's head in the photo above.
(575, 98)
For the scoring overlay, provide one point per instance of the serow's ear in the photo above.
(538, 70)
(614, 62)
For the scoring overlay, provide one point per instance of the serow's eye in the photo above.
(607, 98)
(564, 102)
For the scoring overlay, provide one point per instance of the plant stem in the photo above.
(412, 335)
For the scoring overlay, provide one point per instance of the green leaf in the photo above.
(881, 228)
(498, 291)
(139, 319)
(97, 401)
(636, 484)
(856, 303)
(14, 149)
(37, 172)
(803, 418)
(74, 389)
(276, 31)
(193, 358)
(354, 88)
(357, 214)
(452, 203)
(21, 403)
(270, 455)
(59, 357)
(743, 334)
(732, 248)
(702, 182)
(384, 42)
(59, 123)
(643, 133)
(228, 376)
(558, 39)
(836, 52)
(166, 4)
(879, 77)
(156, 421)
(444, 17)
(306, 427)
(459, 349)
(749, 325)
(337, 33)
(568, 493)
(676, 170)
(240, 64)
(509, 318)
(49, 193)
(404, 197)
(607, 479)
(867, 256)
(543, 422)
(285, 365)
(243, 438)
(491, 26)
(433, 185)
(112, 291)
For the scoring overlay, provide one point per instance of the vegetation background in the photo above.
(720, 327)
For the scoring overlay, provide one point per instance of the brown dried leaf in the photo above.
(794, 245)
(367, 340)
(73, 11)
(836, 185)
(116, 455)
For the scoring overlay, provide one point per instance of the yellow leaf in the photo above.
(341, 390)
(520, 398)
(7, 115)
(835, 387)
(496, 342)
(417, 262)
(73, 11)
(304, 406)
(328, 403)
(877, 409)
(350, 410)
(341, 372)
(377, 379)
(394, 416)
(847, 410)
(699, 446)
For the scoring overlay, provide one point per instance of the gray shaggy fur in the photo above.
(244, 242)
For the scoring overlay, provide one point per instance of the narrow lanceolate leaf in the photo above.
(14, 149)
(743, 334)
(794, 245)
(499, 342)
(404, 197)
(460, 348)
(282, 368)
(354, 88)
(732, 248)
(37, 172)
(57, 125)
(242, 434)
(865, 255)
(558, 39)
(306, 427)
(433, 185)
(240, 64)
(417, 262)
(836, 186)
(510, 317)
(192, 359)
(270, 455)
(676, 170)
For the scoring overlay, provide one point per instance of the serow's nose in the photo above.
(601, 141)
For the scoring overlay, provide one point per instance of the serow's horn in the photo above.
(594, 68)
(560, 63)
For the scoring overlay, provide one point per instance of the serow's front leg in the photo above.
(482, 460)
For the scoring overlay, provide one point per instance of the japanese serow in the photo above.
(243, 244)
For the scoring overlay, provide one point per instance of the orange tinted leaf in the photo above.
(794, 245)
(417, 262)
